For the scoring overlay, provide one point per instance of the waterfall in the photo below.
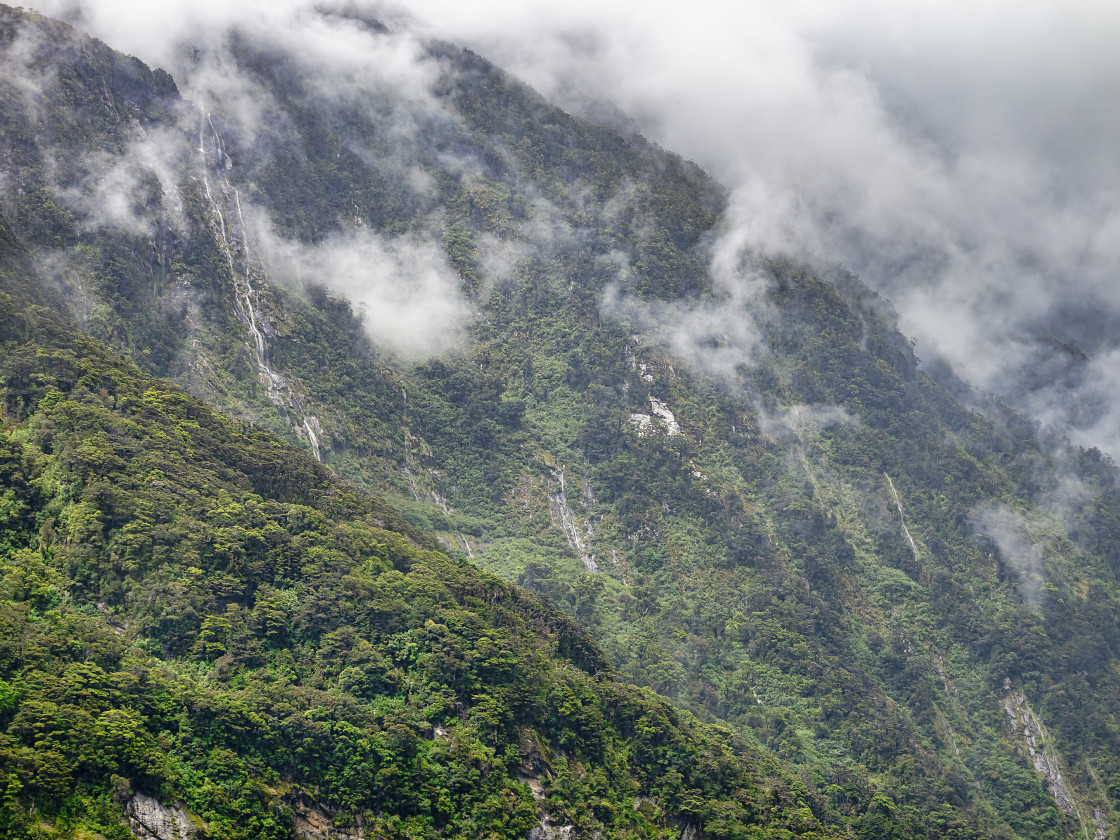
(283, 393)
(902, 517)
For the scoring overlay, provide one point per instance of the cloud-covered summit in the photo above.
(959, 157)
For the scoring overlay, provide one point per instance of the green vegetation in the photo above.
(837, 565)
(196, 611)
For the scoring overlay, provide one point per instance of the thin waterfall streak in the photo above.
(902, 517)
(280, 391)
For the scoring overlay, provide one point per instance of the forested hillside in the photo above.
(539, 340)
(196, 613)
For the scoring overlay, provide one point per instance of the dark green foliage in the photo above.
(193, 610)
(805, 563)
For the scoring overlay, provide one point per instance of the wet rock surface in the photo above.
(151, 820)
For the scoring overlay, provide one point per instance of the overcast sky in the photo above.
(963, 158)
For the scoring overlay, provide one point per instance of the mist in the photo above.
(232, 124)
(402, 287)
(1018, 550)
(959, 158)
(115, 188)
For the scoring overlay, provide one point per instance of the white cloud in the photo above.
(719, 336)
(117, 188)
(799, 422)
(960, 157)
(1017, 548)
(403, 288)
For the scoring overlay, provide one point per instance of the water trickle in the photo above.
(902, 517)
(286, 396)
(579, 538)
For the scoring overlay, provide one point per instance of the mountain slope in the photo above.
(732, 471)
(197, 613)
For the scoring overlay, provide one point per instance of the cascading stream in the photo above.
(902, 517)
(579, 539)
(280, 390)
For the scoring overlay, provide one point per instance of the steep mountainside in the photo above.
(196, 613)
(539, 339)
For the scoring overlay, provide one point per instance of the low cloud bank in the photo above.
(960, 157)
(719, 336)
(1018, 551)
(403, 287)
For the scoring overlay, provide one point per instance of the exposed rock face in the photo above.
(313, 822)
(1025, 724)
(668, 419)
(547, 831)
(643, 423)
(151, 820)
(1100, 830)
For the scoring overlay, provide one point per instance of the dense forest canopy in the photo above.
(418, 459)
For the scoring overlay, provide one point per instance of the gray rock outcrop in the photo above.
(149, 819)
